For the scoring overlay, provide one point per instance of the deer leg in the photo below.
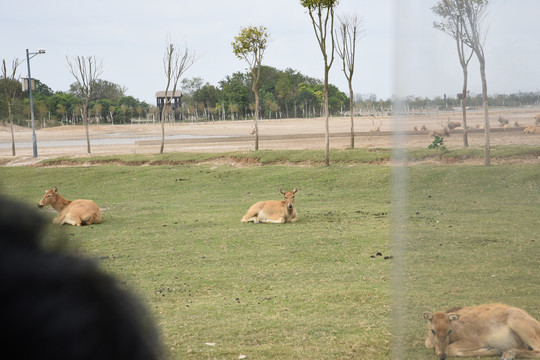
(525, 327)
(270, 221)
(464, 348)
(520, 354)
(246, 218)
(68, 219)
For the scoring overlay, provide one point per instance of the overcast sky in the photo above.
(130, 37)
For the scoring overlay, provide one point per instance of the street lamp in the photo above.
(30, 55)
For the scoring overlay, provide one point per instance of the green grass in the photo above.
(308, 290)
(302, 157)
(473, 238)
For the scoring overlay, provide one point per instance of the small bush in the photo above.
(438, 144)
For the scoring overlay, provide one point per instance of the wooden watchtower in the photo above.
(175, 102)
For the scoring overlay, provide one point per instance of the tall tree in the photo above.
(472, 13)
(321, 13)
(12, 90)
(86, 71)
(453, 24)
(348, 35)
(175, 63)
(250, 45)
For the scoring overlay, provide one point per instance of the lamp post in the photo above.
(28, 57)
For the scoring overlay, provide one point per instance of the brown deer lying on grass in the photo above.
(77, 212)
(485, 330)
(273, 211)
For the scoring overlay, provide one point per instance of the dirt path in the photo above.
(293, 134)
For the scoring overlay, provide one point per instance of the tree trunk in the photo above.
(12, 134)
(163, 126)
(256, 91)
(326, 120)
(464, 108)
(87, 132)
(487, 158)
(351, 110)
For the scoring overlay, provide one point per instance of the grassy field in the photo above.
(315, 289)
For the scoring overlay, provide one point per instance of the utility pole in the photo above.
(34, 141)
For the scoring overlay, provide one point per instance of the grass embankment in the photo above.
(303, 157)
(315, 289)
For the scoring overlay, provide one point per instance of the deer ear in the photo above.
(295, 190)
(453, 317)
(281, 191)
(428, 316)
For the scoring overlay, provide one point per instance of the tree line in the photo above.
(284, 94)
(108, 104)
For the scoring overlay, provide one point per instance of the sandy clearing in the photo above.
(293, 134)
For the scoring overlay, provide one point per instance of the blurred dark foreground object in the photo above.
(58, 306)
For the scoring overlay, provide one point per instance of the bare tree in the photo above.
(348, 34)
(175, 64)
(321, 13)
(250, 45)
(86, 71)
(12, 90)
(452, 24)
(472, 13)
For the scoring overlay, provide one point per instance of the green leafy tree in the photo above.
(104, 89)
(208, 95)
(62, 104)
(235, 91)
(321, 13)
(337, 100)
(285, 90)
(97, 109)
(61, 112)
(250, 45)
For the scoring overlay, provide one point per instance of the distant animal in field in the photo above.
(453, 124)
(537, 120)
(77, 212)
(445, 131)
(423, 128)
(502, 121)
(376, 128)
(442, 132)
(531, 129)
(484, 330)
(273, 211)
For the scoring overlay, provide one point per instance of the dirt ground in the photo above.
(293, 134)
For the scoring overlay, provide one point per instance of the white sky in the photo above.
(130, 38)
